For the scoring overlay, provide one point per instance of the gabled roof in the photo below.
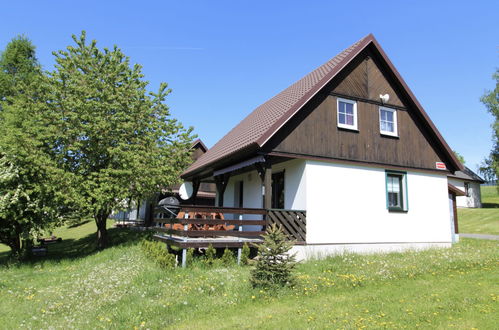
(260, 125)
(468, 175)
(199, 143)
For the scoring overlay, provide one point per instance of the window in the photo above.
(347, 114)
(388, 121)
(396, 191)
(467, 189)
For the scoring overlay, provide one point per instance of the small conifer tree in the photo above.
(228, 257)
(210, 255)
(274, 265)
(245, 254)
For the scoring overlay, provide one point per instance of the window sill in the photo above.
(388, 135)
(351, 129)
(397, 209)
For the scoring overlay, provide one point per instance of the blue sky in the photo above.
(224, 58)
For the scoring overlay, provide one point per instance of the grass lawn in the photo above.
(71, 239)
(119, 288)
(483, 220)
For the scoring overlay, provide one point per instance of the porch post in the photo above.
(454, 209)
(221, 182)
(267, 183)
(184, 250)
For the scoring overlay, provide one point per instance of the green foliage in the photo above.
(157, 252)
(459, 157)
(32, 187)
(190, 256)
(228, 258)
(112, 138)
(491, 101)
(274, 264)
(245, 254)
(18, 66)
(487, 170)
(210, 255)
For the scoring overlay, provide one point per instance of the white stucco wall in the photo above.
(347, 204)
(346, 207)
(474, 199)
(295, 194)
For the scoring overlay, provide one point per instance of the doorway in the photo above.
(278, 190)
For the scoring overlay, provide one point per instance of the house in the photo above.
(142, 211)
(469, 183)
(345, 158)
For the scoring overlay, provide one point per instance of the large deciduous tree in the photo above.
(491, 101)
(18, 65)
(29, 194)
(116, 139)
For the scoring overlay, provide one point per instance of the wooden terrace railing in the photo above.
(202, 221)
(202, 226)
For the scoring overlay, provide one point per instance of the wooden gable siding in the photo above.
(315, 133)
(367, 81)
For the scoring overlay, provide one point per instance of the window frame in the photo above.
(467, 189)
(395, 125)
(353, 127)
(404, 200)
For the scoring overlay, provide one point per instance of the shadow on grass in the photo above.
(490, 205)
(71, 249)
(79, 223)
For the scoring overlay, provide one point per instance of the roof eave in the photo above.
(253, 147)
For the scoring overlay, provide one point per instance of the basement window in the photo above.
(347, 114)
(396, 191)
(388, 121)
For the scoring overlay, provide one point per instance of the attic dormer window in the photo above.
(388, 121)
(347, 114)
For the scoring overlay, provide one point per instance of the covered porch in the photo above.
(251, 195)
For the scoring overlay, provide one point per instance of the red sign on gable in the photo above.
(440, 166)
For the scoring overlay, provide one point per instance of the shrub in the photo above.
(245, 254)
(157, 252)
(190, 256)
(228, 258)
(210, 255)
(274, 265)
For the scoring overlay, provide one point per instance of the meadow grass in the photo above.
(120, 288)
(77, 240)
(481, 220)
(490, 196)
(76, 286)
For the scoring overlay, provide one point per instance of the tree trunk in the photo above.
(12, 239)
(27, 246)
(14, 243)
(102, 238)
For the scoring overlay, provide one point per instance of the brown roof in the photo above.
(467, 175)
(200, 143)
(260, 125)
